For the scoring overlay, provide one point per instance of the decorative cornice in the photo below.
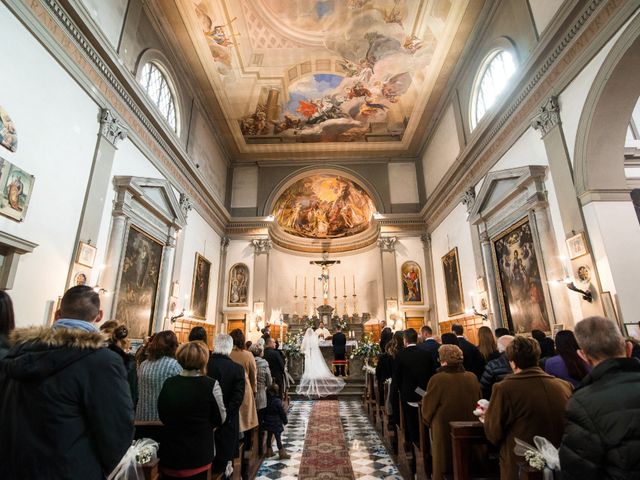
(261, 245)
(186, 205)
(387, 244)
(111, 128)
(469, 198)
(548, 116)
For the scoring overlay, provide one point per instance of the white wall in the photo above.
(109, 16)
(57, 126)
(442, 151)
(454, 231)
(244, 191)
(543, 11)
(403, 183)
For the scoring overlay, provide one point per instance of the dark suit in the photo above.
(413, 367)
(431, 346)
(339, 341)
(473, 359)
(276, 364)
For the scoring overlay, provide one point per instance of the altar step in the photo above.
(354, 389)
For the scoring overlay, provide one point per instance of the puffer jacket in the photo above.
(602, 431)
(493, 373)
(65, 406)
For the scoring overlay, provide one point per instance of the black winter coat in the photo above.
(602, 431)
(493, 373)
(275, 418)
(473, 361)
(230, 376)
(412, 369)
(65, 406)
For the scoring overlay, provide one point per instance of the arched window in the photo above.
(154, 81)
(492, 79)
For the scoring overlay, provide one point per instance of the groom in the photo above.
(339, 341)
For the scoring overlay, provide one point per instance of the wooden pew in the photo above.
(370, 395)
(405, 449)
(421, 450)
(465, 438)
(388, 428)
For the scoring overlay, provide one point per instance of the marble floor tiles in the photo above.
(369, 458)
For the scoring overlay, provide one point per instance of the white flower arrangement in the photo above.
(535, 459)
(543, 457)
(146, 453)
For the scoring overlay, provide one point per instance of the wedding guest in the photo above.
(384, 368)
(152, 373)
(231, 378)
(496, 369)
(65, 406)
(275, 418)
(200, 334)
(487, 344)
(264, 380)
(412, 370)
(473, 360)
(191, 407)
(429, 344)
(451, 396)
(142, 353)
(7, 322)
(528, 403)
(248, 412)
(385, 337)
(395, 346)
(501, 331)
(276, 364)
(633, 348)
(567, 364)
(547, 347)
(118, 342)
(602, 434)
(450, 338)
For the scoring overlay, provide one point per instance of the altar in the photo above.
(296, 365)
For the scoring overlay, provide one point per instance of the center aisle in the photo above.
(330, 439)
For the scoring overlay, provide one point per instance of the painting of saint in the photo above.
(521, 292)
(238, 286)
(411, 283)
(200, 288)
(138, 286)
(8, 135)
(452, 283)
(324, 206)
(16, 187)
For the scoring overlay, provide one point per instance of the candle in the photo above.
(295, 288)
(305, 285)
(344, 285)
(335, 286)
(314, 287)
(354, 284)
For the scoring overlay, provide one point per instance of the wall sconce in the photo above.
(474, 311)
(183, 313)
(586, 294)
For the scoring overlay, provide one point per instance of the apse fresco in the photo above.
(337, 70)
(324, 206)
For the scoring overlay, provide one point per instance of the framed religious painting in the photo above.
(577, 246)
(8, 135)
(521, 291)
(86, 254)
(411, 276)
(238, 286)
(200, 287)
(16, 187)
(453, 283)
(138, 286)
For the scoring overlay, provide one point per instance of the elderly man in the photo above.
(602, 435)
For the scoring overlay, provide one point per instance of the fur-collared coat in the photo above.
(65, 406)
(248, 411)
(522, 406)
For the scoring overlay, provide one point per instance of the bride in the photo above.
(317, 380)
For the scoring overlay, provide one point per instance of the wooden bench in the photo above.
(389, 431)
(465, 437)
(370, 396)
(422, 451)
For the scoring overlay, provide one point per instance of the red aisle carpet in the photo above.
(325, 453)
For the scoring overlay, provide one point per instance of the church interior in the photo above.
(386, 173)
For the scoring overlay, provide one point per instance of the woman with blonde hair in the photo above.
(451, 396)
(487, 344)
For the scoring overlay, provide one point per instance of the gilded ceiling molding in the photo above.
(547, 117)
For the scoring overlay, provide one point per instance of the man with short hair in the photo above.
(501, 331)
(429, 344)
(413, 368)
(473, 359)
(65, 404)
(339, 342)
(276, 364)
(602, 433)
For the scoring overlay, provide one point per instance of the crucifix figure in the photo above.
(324, 264)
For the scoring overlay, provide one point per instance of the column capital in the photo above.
(186, 205)
(484, 236)
(426, 238)
(469, 198)
(111, 128)
(261, 245)
(224, 243)
(387, 244)
(547, 117)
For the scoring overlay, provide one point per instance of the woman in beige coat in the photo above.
(241, 356)
(451, 396)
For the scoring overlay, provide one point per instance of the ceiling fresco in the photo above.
(358, 73)
(324, 206)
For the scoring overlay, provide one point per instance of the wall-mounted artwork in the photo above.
(16, 187)
(200, 289)
(520, 287)
(138, 286)
(8, 135)
(238, 286)
(453, 283)
(411, 283)
(324, 206)
(86, 254)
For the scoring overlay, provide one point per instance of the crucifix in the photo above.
(324, 265)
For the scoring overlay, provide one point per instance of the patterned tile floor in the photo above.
(369, 458)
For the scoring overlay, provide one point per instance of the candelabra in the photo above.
(355, 304)
(345, 304)
(295, 304)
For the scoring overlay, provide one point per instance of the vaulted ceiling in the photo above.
(320, 78)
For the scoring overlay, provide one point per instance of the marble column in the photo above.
(224, 245)
(387, 247)
(115, 249)
(548, 123)
(495, 312)
(164, 283)
(261, 249)
(430, 290)
(110, 133)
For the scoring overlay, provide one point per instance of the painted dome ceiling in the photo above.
(293, 77)
(324, 206)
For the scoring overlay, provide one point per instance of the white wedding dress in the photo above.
(317, 380)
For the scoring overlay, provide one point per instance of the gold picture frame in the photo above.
(238, 286)
(576, 245)
(86, 254)
(200, 287)
(453, 283)
(411, 278)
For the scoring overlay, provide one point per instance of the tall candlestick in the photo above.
(335, 287)
(305, 285)
(344, 285)
(354, 284)
(295, 288)
(314, 287)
